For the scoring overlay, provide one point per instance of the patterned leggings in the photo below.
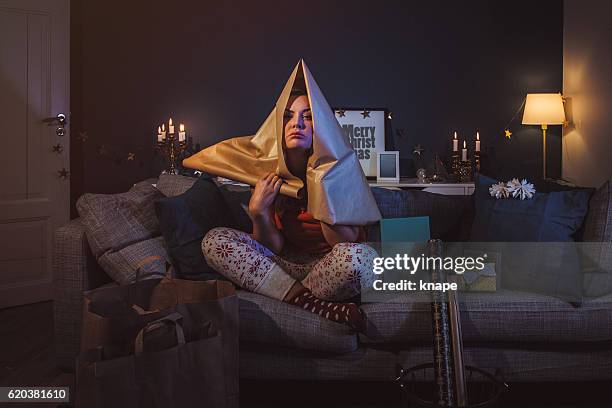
(336, 276)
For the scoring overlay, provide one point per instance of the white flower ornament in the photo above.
(521, 189)
(499, 190)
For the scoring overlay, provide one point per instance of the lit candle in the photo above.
(464, 152)
(163, 131)
(181, 133)
(159, 134)
(170, 127)
(455, 143)
(477, 142)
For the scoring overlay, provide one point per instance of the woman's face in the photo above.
(298, 123)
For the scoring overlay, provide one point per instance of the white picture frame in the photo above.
(365, 131)
(387, 167)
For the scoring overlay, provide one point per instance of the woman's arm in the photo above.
(262, 212)
(335, 234)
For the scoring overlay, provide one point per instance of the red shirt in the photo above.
(300, 229)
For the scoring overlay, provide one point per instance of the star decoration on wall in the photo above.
(365, 113)
(508, 133)
(63, 174)
(418, 149)
(390, 115)
(341, 113)
(83, 136)
(102, 150)
(58, 148)
(400, 133)
(131, 156)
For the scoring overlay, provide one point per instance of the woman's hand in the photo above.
(263, 196)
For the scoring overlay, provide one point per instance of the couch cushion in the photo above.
(598, 228)
(504, 316)
(269, 321)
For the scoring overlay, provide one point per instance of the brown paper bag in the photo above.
(113, 317)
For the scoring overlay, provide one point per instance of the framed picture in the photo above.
(388, 167)
(365, 130)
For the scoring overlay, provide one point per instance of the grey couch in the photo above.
(527, 337)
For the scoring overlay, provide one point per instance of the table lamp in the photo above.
(544, 109)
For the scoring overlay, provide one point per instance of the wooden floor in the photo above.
(27, 359)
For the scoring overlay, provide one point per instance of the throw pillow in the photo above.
(186, 218)
(123, 232)
(446, 213)
(114, 221)
(172, 185)
(512, 226)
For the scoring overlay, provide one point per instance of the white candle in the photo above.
(455, 143)
(163, 131)
(159, 134)
(181, 133)
(464, 152)
(477, 142)
(170, 127)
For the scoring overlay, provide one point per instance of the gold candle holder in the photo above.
(171, 147)
(465, 172)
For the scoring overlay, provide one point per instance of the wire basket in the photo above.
(418, 389)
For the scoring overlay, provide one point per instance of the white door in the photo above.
(34, 198)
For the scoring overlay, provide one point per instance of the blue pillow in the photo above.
(547, 217)
(186, 218)
(534, 237)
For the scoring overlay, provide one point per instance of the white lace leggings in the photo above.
(335, 276)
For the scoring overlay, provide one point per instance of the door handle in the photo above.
(60, 119)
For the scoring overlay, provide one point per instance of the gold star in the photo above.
(131, 156)
(83, 136)
(390, 115)
(341, 113)
(57, 148)
(102, 150)
(63, 173)
(365, 113)
(508, 133)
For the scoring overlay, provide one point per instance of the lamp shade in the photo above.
(543, 109)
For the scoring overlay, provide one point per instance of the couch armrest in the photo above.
(74, 271)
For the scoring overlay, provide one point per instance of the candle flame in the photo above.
(170, 122)
(181, 127)
(454, 137)
(477, 136)
(159, 129)
(464, 145)
(163, 127)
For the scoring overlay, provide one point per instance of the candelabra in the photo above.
(170, 146)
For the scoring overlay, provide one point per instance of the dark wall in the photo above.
(219, 66)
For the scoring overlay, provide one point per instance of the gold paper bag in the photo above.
(338, 192)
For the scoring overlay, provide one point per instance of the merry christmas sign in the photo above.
(365, 130)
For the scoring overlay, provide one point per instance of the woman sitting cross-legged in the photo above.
(291, 256)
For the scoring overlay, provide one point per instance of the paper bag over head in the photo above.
(338, 192)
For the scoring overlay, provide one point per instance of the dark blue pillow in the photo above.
(534, 238)
(547, 217)
(186, 218)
